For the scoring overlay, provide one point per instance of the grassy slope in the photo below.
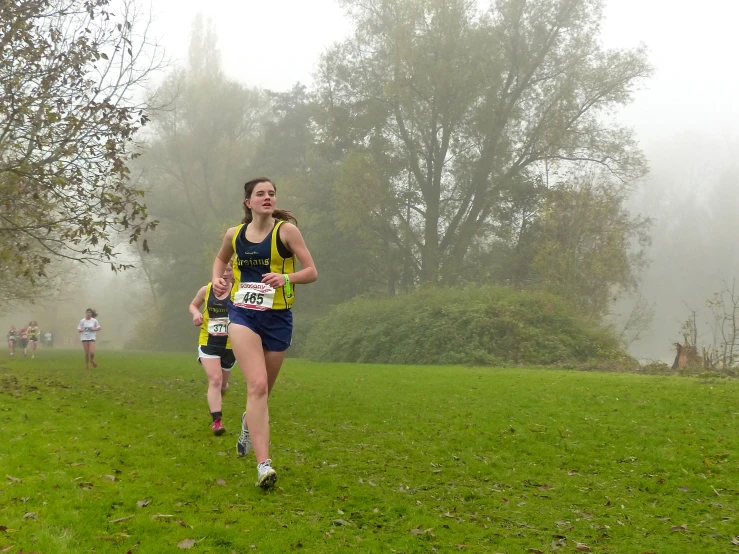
(371, 458)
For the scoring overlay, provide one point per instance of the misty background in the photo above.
(233, 91)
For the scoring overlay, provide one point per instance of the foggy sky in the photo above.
(692, 45)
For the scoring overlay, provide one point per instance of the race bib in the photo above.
(254, 296)
(218, 327)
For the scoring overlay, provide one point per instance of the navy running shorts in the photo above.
(274, 327)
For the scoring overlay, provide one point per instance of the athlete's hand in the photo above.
(220, 285)
(197, 320)
(274, 280)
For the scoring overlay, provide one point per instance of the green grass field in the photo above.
(370, 459)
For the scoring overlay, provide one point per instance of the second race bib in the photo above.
(218, 327)
(254, 296)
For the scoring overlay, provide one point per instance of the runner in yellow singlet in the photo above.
(266, 245)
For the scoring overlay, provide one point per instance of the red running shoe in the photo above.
(218, 428)
(94, 364)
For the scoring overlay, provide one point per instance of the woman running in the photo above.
(88, 329)
(214, 346)
(266, 245)
(12, 338)
(33, 335)
(24, 340)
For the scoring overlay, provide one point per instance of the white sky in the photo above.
(693, 47)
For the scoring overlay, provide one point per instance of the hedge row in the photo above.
(472, 325)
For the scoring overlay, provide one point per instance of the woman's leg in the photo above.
(92, 353)
(225, 377)
(212, 367)
(273, 361)
(86, 348)
(11, 346)
(247, 347)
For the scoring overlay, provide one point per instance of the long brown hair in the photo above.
(284, 215)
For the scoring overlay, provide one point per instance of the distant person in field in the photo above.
(214, 346)
(49, 339)
(24, 340)
(266, 245)
(34, 333)
(12, 338)
(88, 329)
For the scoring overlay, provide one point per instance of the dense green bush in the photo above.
(472, 325)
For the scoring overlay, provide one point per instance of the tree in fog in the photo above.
(451, 111)
(199, 154)
(587, 247)
(69, 72)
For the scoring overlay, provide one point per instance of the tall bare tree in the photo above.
(71, 72)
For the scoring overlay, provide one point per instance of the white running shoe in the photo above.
(243, 446)
(266, 476)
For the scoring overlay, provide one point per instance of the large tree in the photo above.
(70, 71)
(458, 105)
(199, 155)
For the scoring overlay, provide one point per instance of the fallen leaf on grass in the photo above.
(180, 522)
(14, 479)
(30, 515)
(161, 516)
(341, 522)
(546, 487)
(143, 503)
(536, 551)
(586, 515)
(683, 527)
(110, 477)
(3, 528)
(121, 519)
(187, 543)
(684, 489)
(735, 541)
(25, 499)
(582, 547)
(221, 482)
